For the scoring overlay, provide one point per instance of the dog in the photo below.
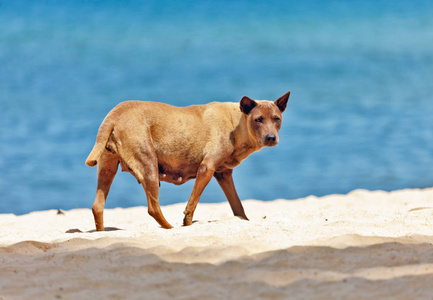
(159, 142)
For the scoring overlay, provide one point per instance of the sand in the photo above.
(363, 245)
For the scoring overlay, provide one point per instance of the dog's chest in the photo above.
(238, 155)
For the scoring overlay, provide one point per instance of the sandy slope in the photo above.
(359, 246)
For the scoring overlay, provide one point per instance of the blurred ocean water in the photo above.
(360, 72)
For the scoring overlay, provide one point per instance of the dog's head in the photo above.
(264, 118)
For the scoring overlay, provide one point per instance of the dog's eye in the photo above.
(259, 120)
(277, 119)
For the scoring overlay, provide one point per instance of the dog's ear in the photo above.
(281, 102)
(247, 104)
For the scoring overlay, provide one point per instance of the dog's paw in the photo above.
(187, 221)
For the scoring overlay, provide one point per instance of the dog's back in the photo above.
(180, 132)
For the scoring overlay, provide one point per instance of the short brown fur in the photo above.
(159, 142)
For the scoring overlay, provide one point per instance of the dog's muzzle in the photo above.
(270, 140)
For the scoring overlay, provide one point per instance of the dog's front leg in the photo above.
(225, 180)
(204, 175)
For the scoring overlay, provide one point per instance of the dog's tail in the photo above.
(104, 133)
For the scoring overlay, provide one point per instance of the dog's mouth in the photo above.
(270, 144)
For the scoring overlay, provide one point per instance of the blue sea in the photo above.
(360, 72)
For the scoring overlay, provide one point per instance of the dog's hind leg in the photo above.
(151, 187)
(225, 180)
(107, 168)
(149, 178)
(139, 158)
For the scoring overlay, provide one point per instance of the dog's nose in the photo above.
(271, 138)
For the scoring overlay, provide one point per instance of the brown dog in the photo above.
(159, 142)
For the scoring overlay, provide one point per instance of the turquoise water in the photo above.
(360, 72)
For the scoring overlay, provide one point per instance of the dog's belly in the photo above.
(179, 163)
(178, 174)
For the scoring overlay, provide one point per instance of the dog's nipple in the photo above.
(164, 175)
(179, 179)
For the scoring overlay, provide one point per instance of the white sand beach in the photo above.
(363, 245)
